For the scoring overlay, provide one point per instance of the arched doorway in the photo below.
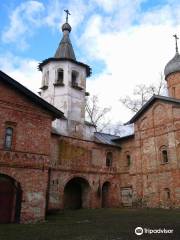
(10, 200)
(105, 195)
(76, 194)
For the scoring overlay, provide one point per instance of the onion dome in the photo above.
(173, 65)
(66, 26)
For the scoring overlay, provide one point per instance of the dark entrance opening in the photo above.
(10, 200)
(76, 194)
(105, 195)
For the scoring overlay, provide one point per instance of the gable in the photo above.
(11, 97)
(150, 102)
(158, 114)
(25, 93)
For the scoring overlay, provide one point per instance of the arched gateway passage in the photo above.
(105, 195)
(10, 200)
(76, 194)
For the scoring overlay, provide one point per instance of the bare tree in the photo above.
(142, 94)
(97, 115)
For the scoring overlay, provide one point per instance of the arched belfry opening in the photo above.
(10, 199)
(76, 194)
(106, 195)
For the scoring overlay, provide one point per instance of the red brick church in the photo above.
(51, 158)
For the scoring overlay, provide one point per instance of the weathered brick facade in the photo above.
(149, 176)
(27, 160)
(72, 158)
(147, 180)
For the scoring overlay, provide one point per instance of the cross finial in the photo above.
(176, 38)
(67, 13)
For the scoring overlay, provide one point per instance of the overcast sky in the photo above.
(126, 42)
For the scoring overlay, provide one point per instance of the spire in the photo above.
(176, 38)
(65, 48)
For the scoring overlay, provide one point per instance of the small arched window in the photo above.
(74, 79)
(60, 76)
(128, 159)
(167, 193)
(109, 159)
(173, 91)
(8, 138)
(164, 154)
(45, 81)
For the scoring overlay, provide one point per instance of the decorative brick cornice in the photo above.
(23, 159)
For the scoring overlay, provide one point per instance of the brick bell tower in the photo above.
(64, 84)
(172, 74)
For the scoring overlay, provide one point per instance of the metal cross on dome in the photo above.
(176, 38)
(67, 13)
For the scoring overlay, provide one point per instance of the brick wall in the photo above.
(74, 158)
(173, 84)
(149, 176)
(27, 161)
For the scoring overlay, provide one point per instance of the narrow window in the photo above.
(8, 138)
(76, 128)
(74, 76)
(109, 159)
(165, 156)
(167, 193)
(60, 76)
(45, 81)
(128, 158)
(173, 91)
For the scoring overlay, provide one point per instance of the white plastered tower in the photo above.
(64, 86)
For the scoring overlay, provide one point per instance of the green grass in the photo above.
(97, 224)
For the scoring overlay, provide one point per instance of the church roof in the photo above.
(106, 138)
(32, 96)
(149, 103)
(126, 137)
(65, 51)
(65, 48)
(88, 69)
(173, 65)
